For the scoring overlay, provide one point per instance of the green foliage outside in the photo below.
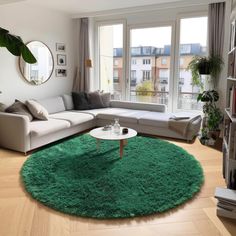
(145, 89)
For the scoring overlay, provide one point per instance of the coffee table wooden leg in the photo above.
(122, 144)
(125, 142)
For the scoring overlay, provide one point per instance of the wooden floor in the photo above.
(21, 215)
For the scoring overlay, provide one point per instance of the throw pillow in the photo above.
(37, 110)
(95, 100)
(106, 98)
(80, 101)
(19, 108)
(3, 107)
(68, 101)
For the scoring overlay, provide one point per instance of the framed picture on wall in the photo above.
(61, 72)
(60, 47)
(232, 35)
(61, 60)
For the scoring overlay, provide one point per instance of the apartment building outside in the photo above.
(150, 74)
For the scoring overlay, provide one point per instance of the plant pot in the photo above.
(215, 134)
(203, 140)
(204, 68)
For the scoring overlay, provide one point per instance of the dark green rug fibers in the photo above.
(75, 178)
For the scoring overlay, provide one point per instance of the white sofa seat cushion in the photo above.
(75, 118)
(41, 128)
(53, 105)
(158, 119)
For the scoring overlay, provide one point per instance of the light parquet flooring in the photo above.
(22, 216)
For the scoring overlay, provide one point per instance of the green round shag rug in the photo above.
(73, 177)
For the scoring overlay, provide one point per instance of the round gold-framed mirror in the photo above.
(41, 71)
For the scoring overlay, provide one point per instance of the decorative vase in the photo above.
(116, 126)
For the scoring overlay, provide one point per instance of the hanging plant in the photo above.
(211, 65)
(16, 46)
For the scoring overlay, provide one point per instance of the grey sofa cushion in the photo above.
(80, 101)
(3, 107)
(106, 98)
(68, 101)
(53, 105)
(19, 108)
(139, 106)
(37, 110)
(95, 100)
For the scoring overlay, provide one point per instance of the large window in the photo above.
(193, 41)
(145, 70)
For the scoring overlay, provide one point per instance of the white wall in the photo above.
(48, 26)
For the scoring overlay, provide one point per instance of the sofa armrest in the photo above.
(139, 105)
(14, 132)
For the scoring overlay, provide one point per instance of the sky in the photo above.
(193, 30)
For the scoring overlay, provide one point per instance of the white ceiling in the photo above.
(9, 1)
(74, 7)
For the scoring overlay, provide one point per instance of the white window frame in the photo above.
(174, 54)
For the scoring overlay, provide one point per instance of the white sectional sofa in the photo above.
(19, 134)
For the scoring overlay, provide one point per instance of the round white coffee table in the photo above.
(101, 134)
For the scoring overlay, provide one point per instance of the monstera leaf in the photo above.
(16, 46)
(208, 96)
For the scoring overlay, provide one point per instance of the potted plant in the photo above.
(212, 116)
(16, 46)
(199, 65)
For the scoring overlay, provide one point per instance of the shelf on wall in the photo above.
(233, 49)
(232, 118)
(232, 79)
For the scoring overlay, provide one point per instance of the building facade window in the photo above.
(133, 74)
(134, 61)
(136, 51)
(115, 76)
(185, 48)
(146, 75)
(164, 61)
(146, 61)
(146, 50)
(116, 62)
